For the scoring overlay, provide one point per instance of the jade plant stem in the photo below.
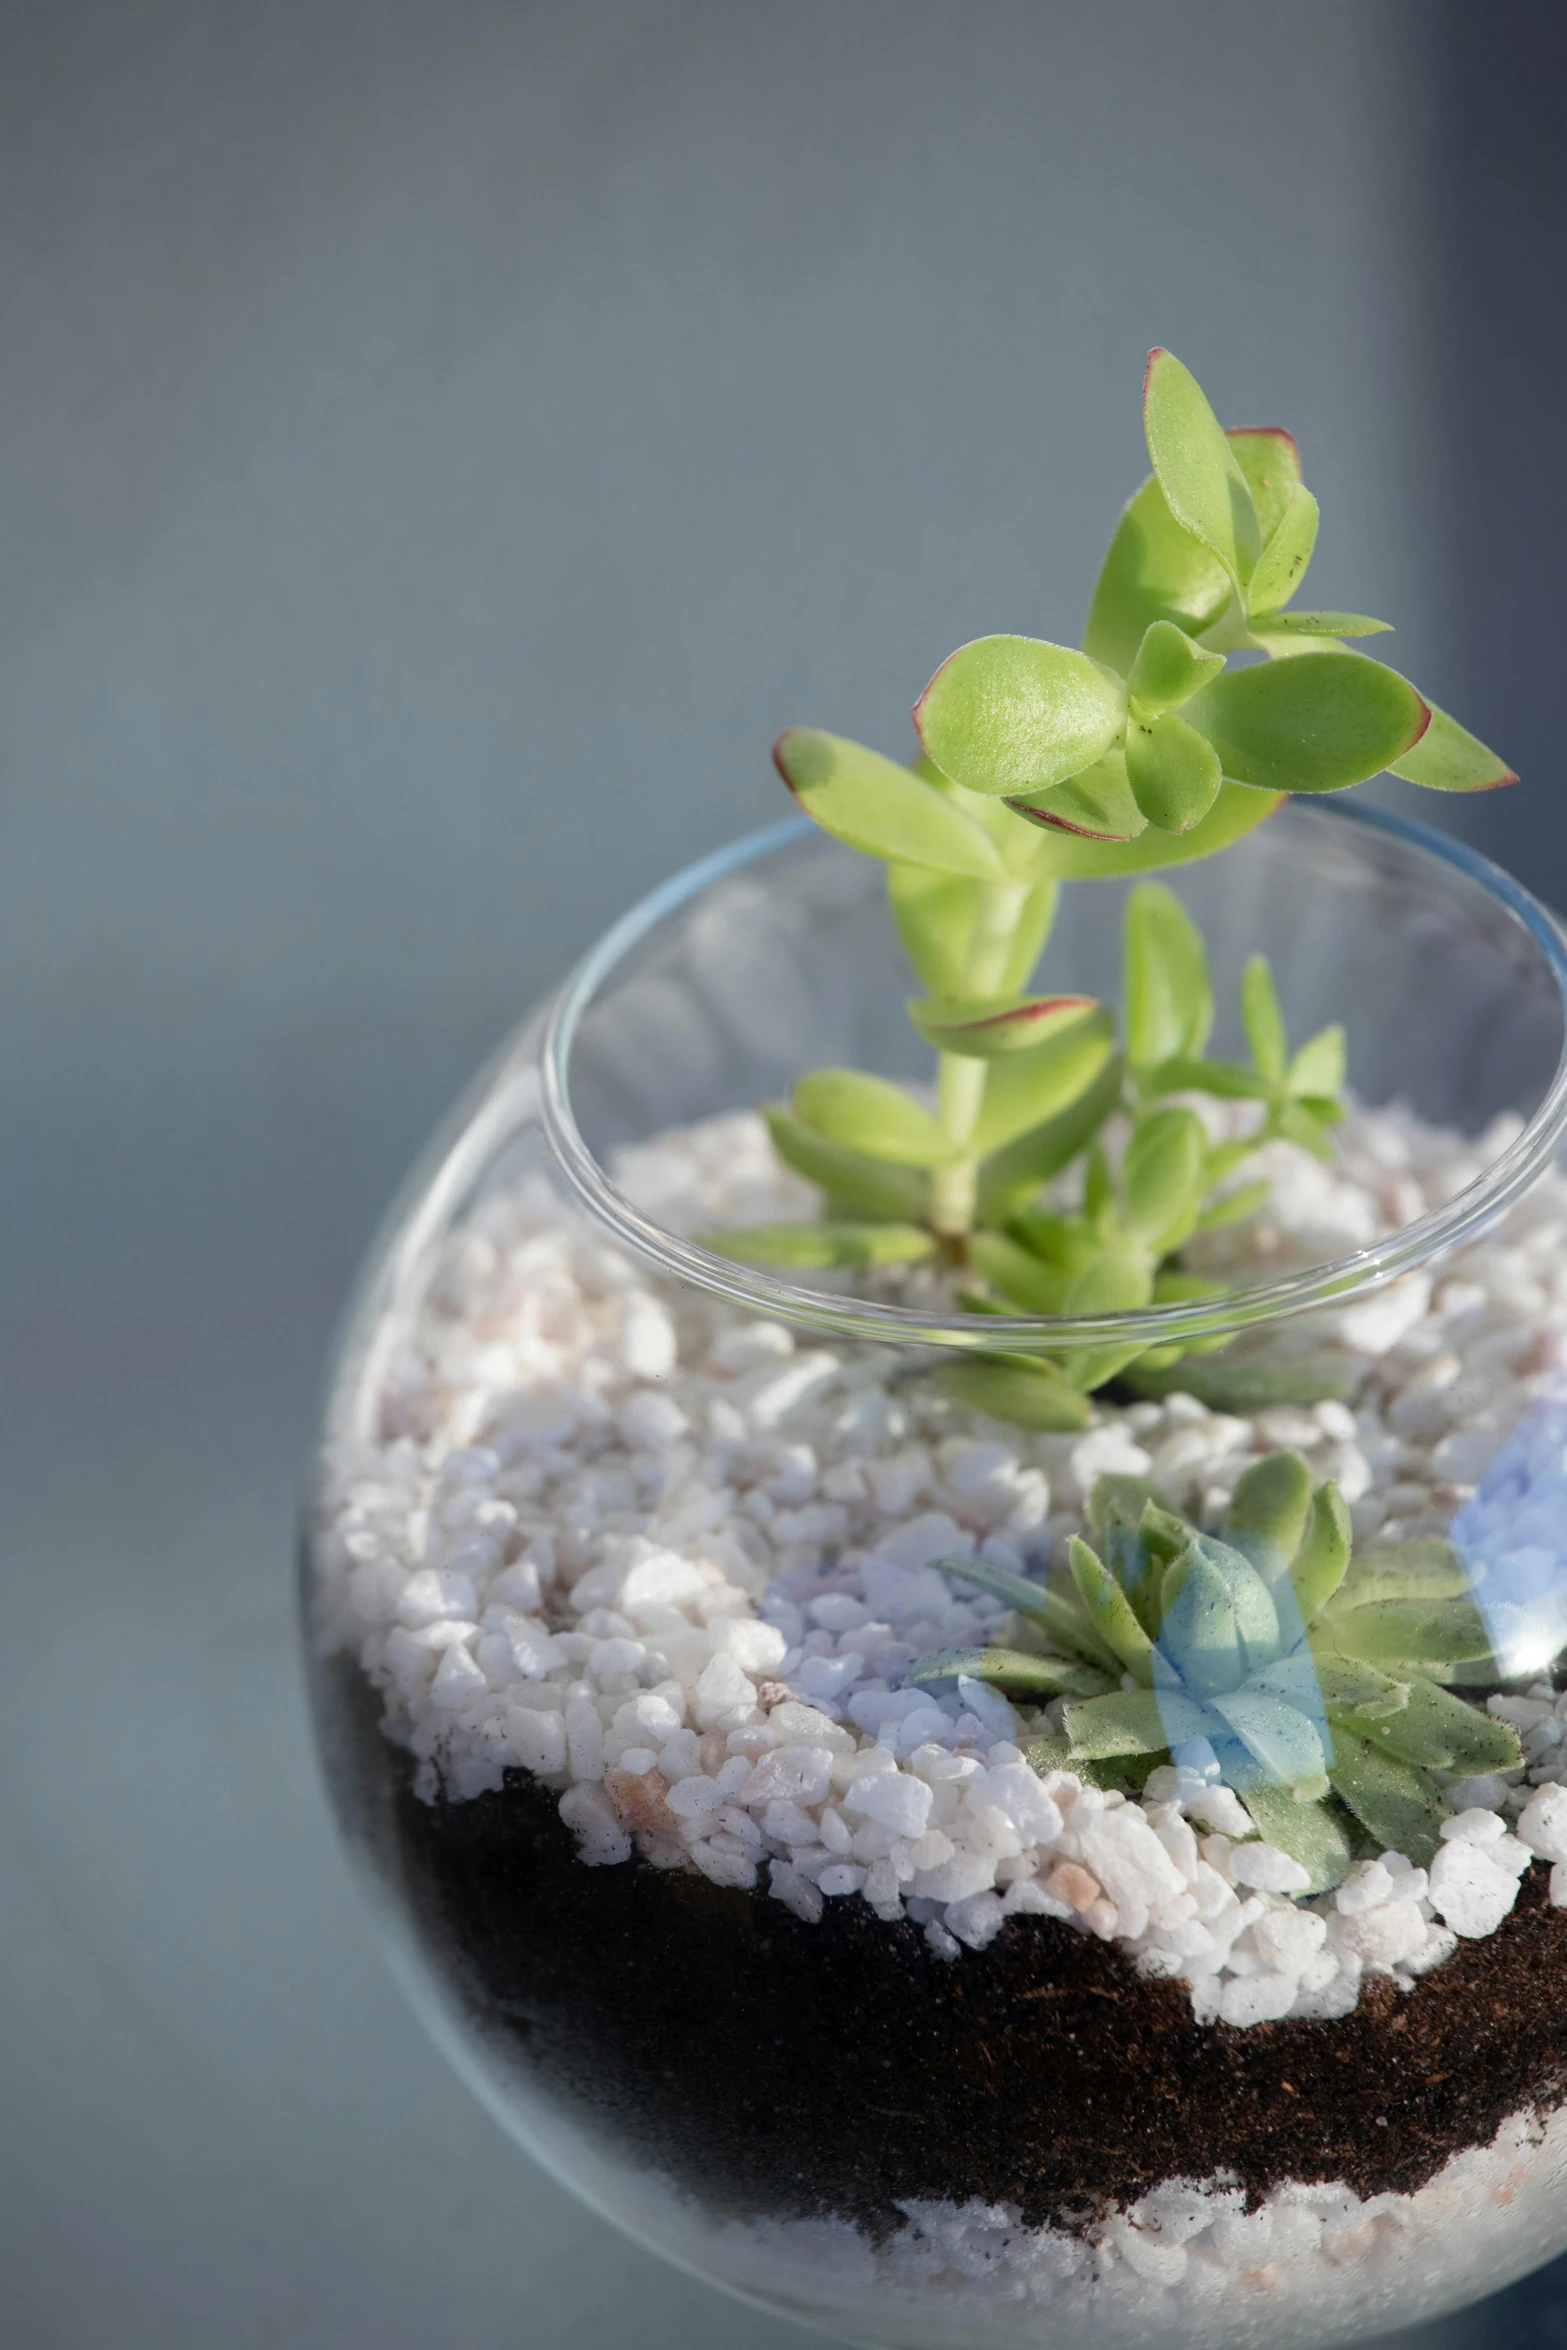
(960, 1078)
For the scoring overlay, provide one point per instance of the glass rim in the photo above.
(1338, 1281)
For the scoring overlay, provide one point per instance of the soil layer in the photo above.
(841, 2068)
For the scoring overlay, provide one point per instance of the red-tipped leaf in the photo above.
(1317, 723)
(873, 804)
(983, 1031)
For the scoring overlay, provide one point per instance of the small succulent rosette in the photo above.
(1329, 1690)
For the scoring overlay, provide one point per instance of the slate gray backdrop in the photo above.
(442, 444)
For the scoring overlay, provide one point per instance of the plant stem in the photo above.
(960, 1079)
(960, 1096)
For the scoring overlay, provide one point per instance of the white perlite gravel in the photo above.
(675, 1562)
(1312, 2265)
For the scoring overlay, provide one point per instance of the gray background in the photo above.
(442, 444)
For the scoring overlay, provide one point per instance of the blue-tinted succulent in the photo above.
(1316, 1685)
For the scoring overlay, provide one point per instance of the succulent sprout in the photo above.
(1053, 1077)
(1041, 764)
(1319, 1684)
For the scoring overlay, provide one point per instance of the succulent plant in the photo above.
(1040, 764)
(1047, 1105)
(1320, 1684)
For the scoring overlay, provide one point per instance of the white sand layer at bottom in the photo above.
(1313, 2265)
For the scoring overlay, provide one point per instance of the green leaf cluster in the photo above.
(1042, 764)
(1322, 1682)
(1046, 1081)
(1147, 728)
(1169, 1013)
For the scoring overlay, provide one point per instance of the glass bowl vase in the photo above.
(621, 1551)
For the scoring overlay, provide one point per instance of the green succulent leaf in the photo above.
(1030, 1395)
(1098, 804)
(1163, 1535)
(1168, 1005)
(1119, 1281)
(822, 1247)
(1233, 1207)
(1098, 1185)
(1197, 469)
(1160, 1538)
(1023, 855)
(1007, 1668)
(1424, 1636)
(1351, 1689)
(1013, 714)
(872, 803)
(1237, 810)
(1225, 1157)
(1034, 925)
(1248, 1385)
(1448, 758)
(1116, 1497)
(1318, 624)
(1028, 1284)
(1174, 1288)
(1230, 1080)
(1281, 644)
(871, 1115)
(1017, 1170)
(1067, 1242)
(1269, 458)
(1024, 1090)
(1308, 1124)
(1282, 1744)
(934, 913)
(1169, 668)
(1441, 1732)
(1319, 1066)
(1219, 1621)
(1322, 1557)
(1268, 1510)
(1058, 1613)
(1009, 1024)
(1263, 1021)
(1111, 1611)
(1090, 1368)
(1153, 571)
(1392, 1799)
(1173, 772)
(938, 916)
(1422, 1569)
(1311, 1833)
(1132, 1721)
(1052, 1753)
(1161, 1176)
(1282, 564)
(1129, 1526)
(1294, 1677)
(1199, 1634)
(1318, 723)
(855, 1183)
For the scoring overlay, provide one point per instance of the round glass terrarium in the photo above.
(889, 1998)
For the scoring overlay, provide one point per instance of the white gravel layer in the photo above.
(675, 1562)
(1313, 2265)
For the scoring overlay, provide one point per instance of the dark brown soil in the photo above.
(843, 2068)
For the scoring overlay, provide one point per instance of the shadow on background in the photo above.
(443, 445)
